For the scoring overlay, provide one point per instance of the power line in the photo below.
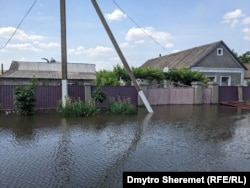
(132, 20)
(18, 26)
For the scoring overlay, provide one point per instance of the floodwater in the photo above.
(49, 151)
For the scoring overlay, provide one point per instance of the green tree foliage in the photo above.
(245, 57)
(148, 73)
(24, 99)
(185, 76)
(106, 78)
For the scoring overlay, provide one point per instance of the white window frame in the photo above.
(214, 77)
(219, 51)
(228, 82)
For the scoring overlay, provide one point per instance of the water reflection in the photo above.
(23, 130)
(49, 151)
(62, 172)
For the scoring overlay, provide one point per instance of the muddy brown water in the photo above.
(49, 151)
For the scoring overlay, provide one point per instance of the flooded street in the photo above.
(49, 151)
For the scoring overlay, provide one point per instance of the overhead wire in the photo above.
(19, 25)
(132, 20)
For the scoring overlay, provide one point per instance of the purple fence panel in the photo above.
(48, 96)
(228, 93)
(77, 92)
(7, 96)
(246, 93)
(124, 92)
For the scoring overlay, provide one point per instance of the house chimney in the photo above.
(159, 55)
(1, 68)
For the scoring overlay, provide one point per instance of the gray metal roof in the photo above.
(21, 69)
(183, 59)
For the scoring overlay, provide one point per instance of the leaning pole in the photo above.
(63, 52)
(120, 54)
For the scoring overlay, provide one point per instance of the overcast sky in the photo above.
(143, 29)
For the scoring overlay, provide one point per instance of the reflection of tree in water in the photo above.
(63, 158)
(115, 169)
(23, 130)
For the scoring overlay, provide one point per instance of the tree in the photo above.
(106, 78)
(185, 76)
(25, 99)
(245, 57)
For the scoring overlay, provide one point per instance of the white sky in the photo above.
(166, 27)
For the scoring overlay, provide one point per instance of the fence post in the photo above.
(240, 93)
(198, 87)
(215, 92)
(87, 90)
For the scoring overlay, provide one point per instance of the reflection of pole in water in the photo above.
(63, 155)
(115, 168)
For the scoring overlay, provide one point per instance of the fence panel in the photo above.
(228, 93)
(207, 96)
(7, 96)
(77, 92)
(122, 92)
(162, 96)
(48, 96)
(246, 93)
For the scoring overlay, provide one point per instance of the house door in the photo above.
(225, 81)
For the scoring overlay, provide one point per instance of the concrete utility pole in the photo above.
(119, 52)
(63, 52)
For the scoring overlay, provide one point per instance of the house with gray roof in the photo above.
(215, 60)
(47, 73)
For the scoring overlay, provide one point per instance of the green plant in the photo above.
(121, 107)
(99, 95)
(78, 108)
(24, 99)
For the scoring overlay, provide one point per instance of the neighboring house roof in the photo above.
(187, 58)
(44, 70)
(247, 72)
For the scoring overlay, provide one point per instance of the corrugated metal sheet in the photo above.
(122, 92)
(228, 93)
(49, 96)
(7, 97)
(246, 93)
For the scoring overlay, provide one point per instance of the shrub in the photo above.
(78, 108)
(121, 107)
(24, 99)
(99, 95)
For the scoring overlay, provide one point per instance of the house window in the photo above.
(212, 78)
(225, 81)
(219, 51)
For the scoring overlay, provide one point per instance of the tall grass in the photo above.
(121, 106)
(78, 108)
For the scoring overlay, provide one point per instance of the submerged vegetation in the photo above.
(78, 108)
(121, 106)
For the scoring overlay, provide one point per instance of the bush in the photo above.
(99, 95)
(78, 108)
(121, 107)
(24, 99)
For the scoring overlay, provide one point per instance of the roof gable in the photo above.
(187, 58)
